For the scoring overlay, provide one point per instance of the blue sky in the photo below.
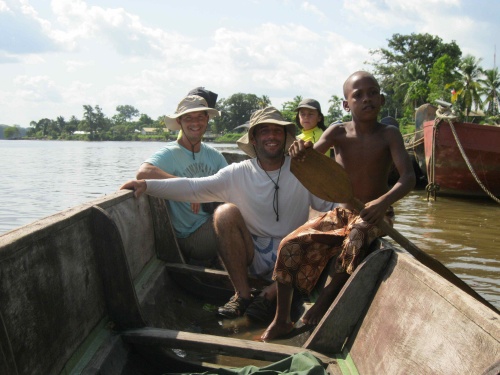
(56, 56)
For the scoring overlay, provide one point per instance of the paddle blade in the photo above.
(323, 177)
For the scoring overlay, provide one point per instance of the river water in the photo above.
(41, 178)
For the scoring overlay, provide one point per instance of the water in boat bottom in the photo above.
(194, 309)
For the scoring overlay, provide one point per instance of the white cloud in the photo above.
(56, 59)
(308, 7)
(4, 7)
(37, 89)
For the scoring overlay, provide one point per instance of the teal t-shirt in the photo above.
(178, 161)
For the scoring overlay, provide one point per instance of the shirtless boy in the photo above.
(366, 149)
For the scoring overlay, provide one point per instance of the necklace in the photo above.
(192, 145)
(276, 189)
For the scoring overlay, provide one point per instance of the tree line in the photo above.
(412, 70)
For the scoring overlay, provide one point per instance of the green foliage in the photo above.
(491, 91)
(335, 110)
(236, 110)
(402, 69)
(125, 113)
(466, 86)
(288, 109)
(442, 72)
(229, 138)
(11, 132)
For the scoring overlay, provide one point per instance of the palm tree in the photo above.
(467, 87)
(491, 90)
(264, 101)
(335, 111)
(89, 118)
(288, 108)
(414, 79)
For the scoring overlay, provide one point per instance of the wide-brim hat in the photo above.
(269, 115)
(191, 103)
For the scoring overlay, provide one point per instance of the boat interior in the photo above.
(103, 289)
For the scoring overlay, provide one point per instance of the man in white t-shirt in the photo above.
(264, 203)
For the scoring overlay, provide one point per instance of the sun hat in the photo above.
(191, 103)
(209, 96)
(311, 104)
(269, 115)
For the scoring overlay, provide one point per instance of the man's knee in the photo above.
(226, 213)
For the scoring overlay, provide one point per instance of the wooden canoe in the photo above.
(96, 290)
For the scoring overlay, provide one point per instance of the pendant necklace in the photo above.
(276, 189)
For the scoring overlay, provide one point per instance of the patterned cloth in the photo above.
(341, 233)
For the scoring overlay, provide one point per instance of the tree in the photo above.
(335, 110)
(264, 102)
(236, 110)
(89, 119)
(72, 124)
(40, 127)
(414, 82)
(11, 132)
(491, 91)
(467, 87)
(145, 121)
(125, 113)
(288, 109)
(61, 124)
(392, 62)
(442, 73)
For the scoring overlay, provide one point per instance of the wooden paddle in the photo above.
(326, 179)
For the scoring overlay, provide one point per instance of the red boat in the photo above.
(473, 172)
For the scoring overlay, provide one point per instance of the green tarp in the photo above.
(297, 364)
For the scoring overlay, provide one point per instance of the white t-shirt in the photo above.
(246, 185)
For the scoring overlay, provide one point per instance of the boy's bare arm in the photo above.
(375, 210)
(327, 139)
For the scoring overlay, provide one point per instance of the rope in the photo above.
(432, 187)
(409, 140)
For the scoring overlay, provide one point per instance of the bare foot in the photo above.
(276, 330)
(325, 299)
(315, 313)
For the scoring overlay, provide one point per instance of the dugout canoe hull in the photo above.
(97, 289)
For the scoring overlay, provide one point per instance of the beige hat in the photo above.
(191, 103)
(269, 115)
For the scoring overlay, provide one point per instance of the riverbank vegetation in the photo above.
(412, 70)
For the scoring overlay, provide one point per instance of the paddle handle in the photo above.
(425, 258)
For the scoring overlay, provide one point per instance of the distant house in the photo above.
(152, 131)
(80, 132)
(149, 131)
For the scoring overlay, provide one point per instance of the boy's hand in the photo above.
(138, 186)
(373, 212)
(297, 149)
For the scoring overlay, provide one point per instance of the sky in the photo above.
(56, 56)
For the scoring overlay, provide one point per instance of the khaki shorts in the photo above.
(201, 246)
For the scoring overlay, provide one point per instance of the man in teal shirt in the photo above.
(188, 156)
